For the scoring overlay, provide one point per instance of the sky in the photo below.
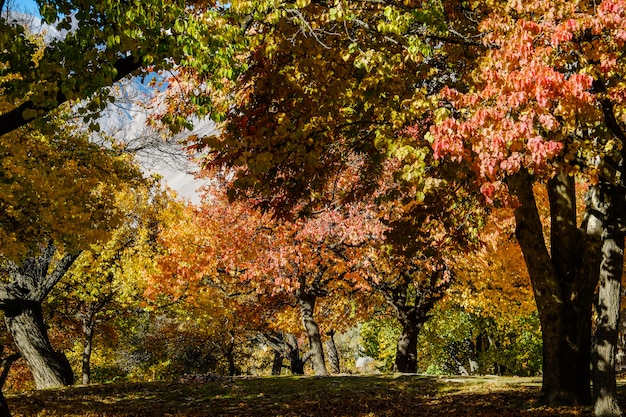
(27, 6)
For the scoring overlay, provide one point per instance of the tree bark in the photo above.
(88, 330)
(306, 301)
(607, 310)
(563, 285)
(406, 352)
(285, 346)
(333, 354)
(26, 326)
(277, 363)
(296, 363)
(6, 367)
(21, 301)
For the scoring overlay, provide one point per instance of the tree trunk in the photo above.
(563, 286)
(277, 363)
(26, 326)
(406, 353)
(285, 346)
(233, 370)
(607, 312)
(88, 329)
(307, 306)
(4, 407)
(21, 301)
(566, 356)
(6, 367)
(333, 354)
(296, 363)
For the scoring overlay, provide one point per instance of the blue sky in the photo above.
(28, 6)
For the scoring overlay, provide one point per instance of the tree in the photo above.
(192, 281)
(545, 104)
(413, 268)
(365, 83)
(283, 264)
(305, 259)
(108, 278)
(107, 42)
(21, 301)
(50, 212)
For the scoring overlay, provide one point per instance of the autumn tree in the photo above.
(414, 265)
(317, 258)
(307, 259)
(56, 199)
(366, 84)
(108, 277)
(246, 257)
(56, 192)
(190, 279)
(544, 105)
(52, 211)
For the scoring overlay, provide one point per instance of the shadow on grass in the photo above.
(371, 396)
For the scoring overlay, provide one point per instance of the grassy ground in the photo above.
(371, 396)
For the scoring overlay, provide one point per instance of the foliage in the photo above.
(379, 338)
(500, 345)
(453, 337)
(108, 41)
(539, 96)
(57, 187)
(494, 279)
(368, 71)
(107, 281)
(164, 346)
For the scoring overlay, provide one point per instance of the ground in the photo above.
(371, 396)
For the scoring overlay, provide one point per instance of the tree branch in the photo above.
(6, 367)
(50, 280)
(12, 293)
(14, 119)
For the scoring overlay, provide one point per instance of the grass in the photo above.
(371, 396)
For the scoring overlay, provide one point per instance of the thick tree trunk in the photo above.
(333, 354)
(566, 356)
(563, 285)
(21, 302)
(26, 326)
(307, 306)
(406, 353)
(607, 312)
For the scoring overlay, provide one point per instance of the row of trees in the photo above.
(403, 121)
